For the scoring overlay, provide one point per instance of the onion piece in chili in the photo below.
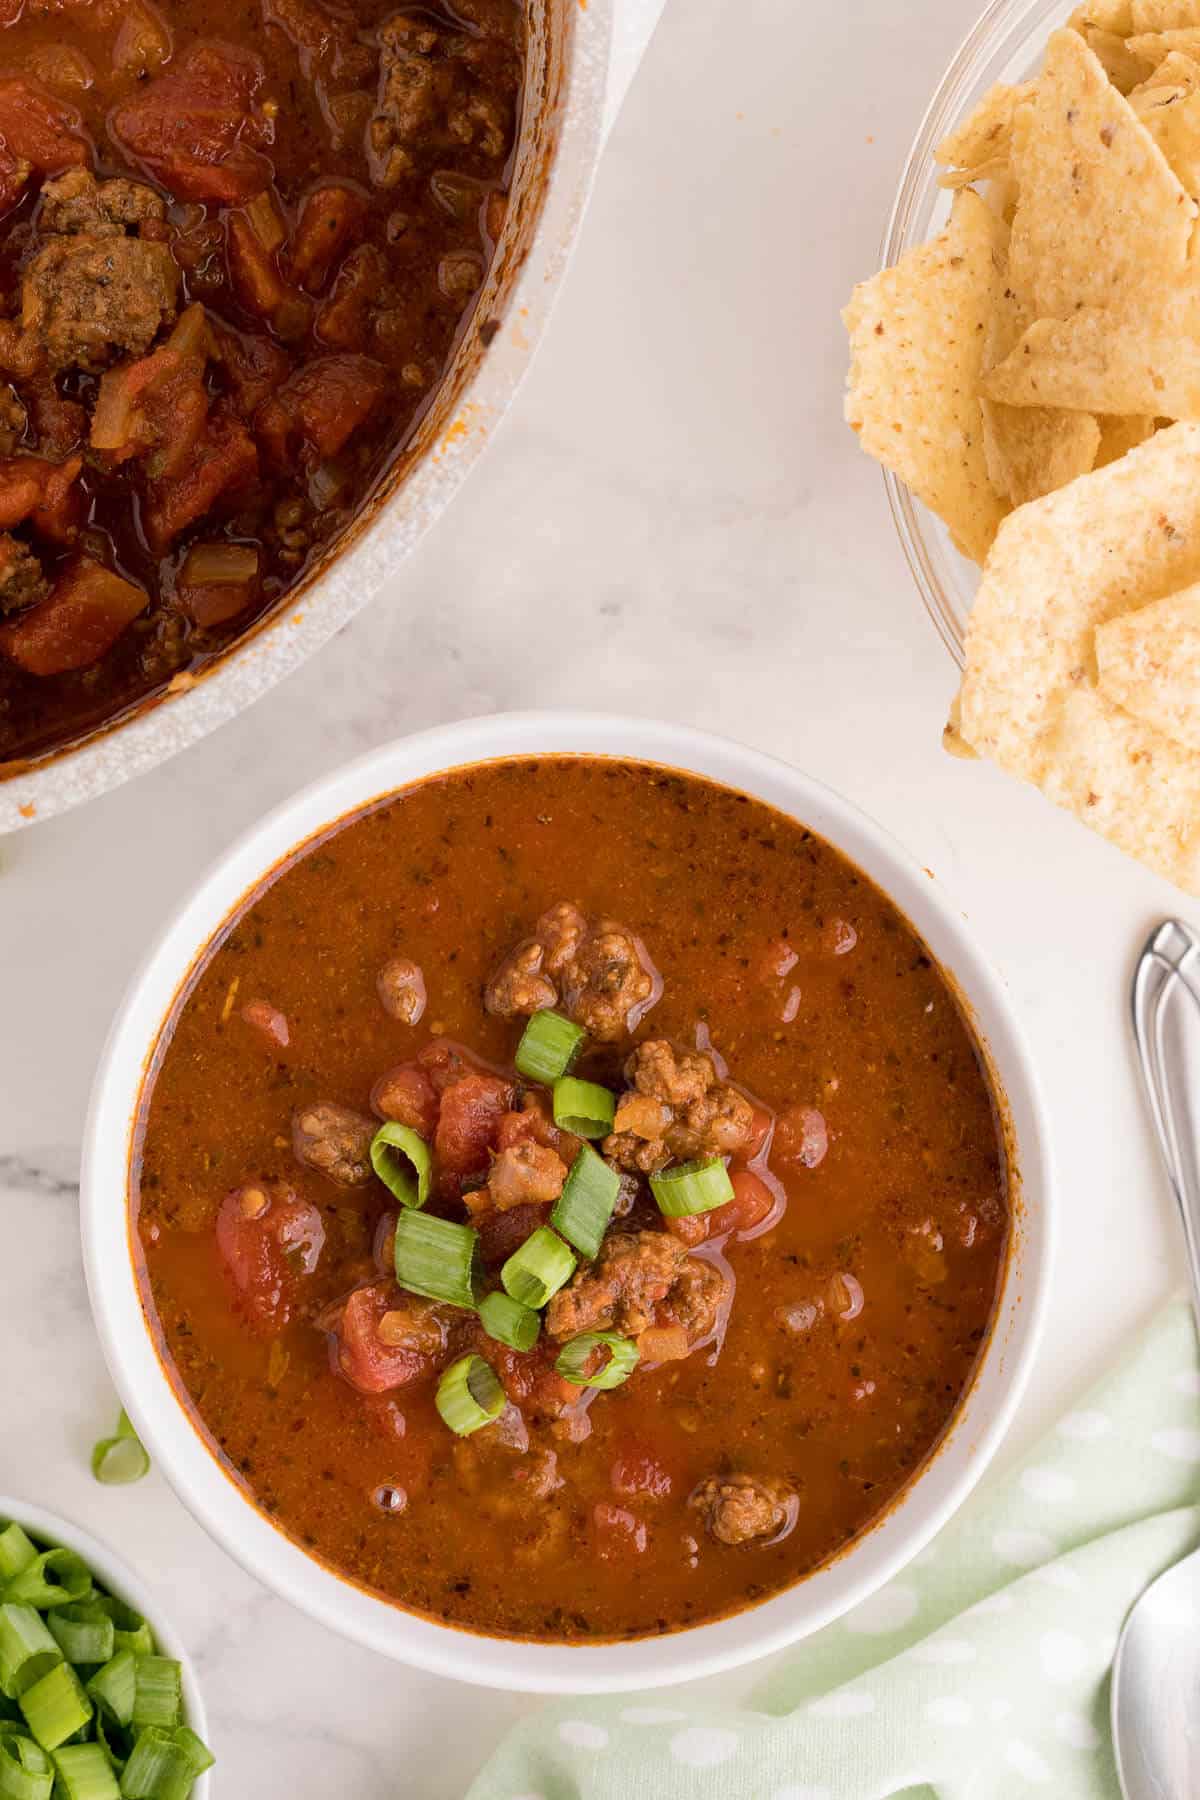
(576, 1355)
(469, 1395)
(401, 1159)
(437, 1258)
(509, 1322)
(585, 1207)
(549, 1045)
(535, 1272)
(691, 1187)
(583, 1107)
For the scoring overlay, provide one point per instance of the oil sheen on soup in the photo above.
(802, 1200)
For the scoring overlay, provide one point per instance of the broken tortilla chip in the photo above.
(1163, 15)
(1108, 15)
(1154, 47)
(1125, 70)
(1145, 359)
(1101, 216)
(1149, 664)
(1175, 128)
(983, 142)
(1177, 74)
(1031, 450)
(1118, 436)
(917, 338)
(1061, 568)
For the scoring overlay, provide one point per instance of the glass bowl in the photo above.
(1006, 45)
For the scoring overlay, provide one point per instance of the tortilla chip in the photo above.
(1175, 128)
(1155, 47)
(917, 338)
(1149, 664)
(1108, 15)
(1120, 435)
(1101, 217)
(985, 138)
(1163, 15)
(1123, 68)
(1059, 569)
(1143, 359)
(1032, 450)
(1175, 74)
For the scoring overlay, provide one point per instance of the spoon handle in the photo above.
(1166, 1015)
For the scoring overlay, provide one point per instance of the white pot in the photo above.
(581, 58)
(120, 1580)
(226, 1511)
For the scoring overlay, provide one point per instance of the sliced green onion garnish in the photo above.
(132, 1631)
(54, 1578)
(113, 1687)
(574, 1357)
(16, 1553)
(195, 1748)
(469, 1395)
(506, 1320)
(437, 1258)
(158, 1692)
(549, 1045)
(120, 1459)
(26, 1772)
(692, 1187)
(27, 1650)
(56, 1707)
(114, 1738)
(584, 1108)
(159, 1767)
(84, 1633)
(584, 1209)
(538, 1269)
(400, 1157)
(85, 1773)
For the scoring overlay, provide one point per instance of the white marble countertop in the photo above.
(675, 522)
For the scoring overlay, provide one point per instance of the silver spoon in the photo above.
(1156, 1674)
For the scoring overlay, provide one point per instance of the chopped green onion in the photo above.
(27, 1650)
(118, 1460)
(574, 1357)
(549, 1045)
(114, 1739)
(469, 1395)
(400, 1157)
(506, 1320)
(584, 1208)
(159, 1768)
(84, 1633)
(26, 1772)
(158, 1691)
(195, 1748)
(691, 1187)
(132, 1631)
(85, 1773)
(437, 1258)
(584, 1108)
(113, 1687)
(54, 1578)
(538, 1269)
(16, 1553)
(56, 1706)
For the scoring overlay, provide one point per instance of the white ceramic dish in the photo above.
(198, 1478)
(1006, 44)
(568, 82)
(120, 1580)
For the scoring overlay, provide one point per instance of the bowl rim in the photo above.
(1000, 27)
(375, 555)
(210, 1494)
(119, 1579)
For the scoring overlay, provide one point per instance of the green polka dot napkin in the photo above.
(981, 1673)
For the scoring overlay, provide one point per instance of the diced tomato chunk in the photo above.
(616, 1533)
(752, 1202)
(189, 127)
(156, 406)
(330, 217)
(528, 1378)
(690, 1228)
(533, 1125)
(368, 1363)
(470, 1114)
(37, 133)
(255, 366)
(322, 405)
(268, 1240)
(224, 460)
(636, 1470)
(258, 284)
(445, 1063)
(83, 615)
(801, 1136)
(44, 493)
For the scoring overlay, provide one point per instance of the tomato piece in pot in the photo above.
(637, 1469)
(386, 1338)
(321, 405)
(470, 1114)
(225, 461)
(39, 132)
(188, 128)
(329, 218)
(406, 1095)
(617, 1534)
(84, 614)
(528, 1378)
(268, 1240)
(500, 1233)
(752, 1203)
(44, 493)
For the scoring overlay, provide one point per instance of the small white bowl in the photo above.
(248, 1534)
(120, 1580)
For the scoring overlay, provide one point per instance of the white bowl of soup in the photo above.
(783, 1256)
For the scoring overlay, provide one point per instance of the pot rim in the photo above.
(172, 1438)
